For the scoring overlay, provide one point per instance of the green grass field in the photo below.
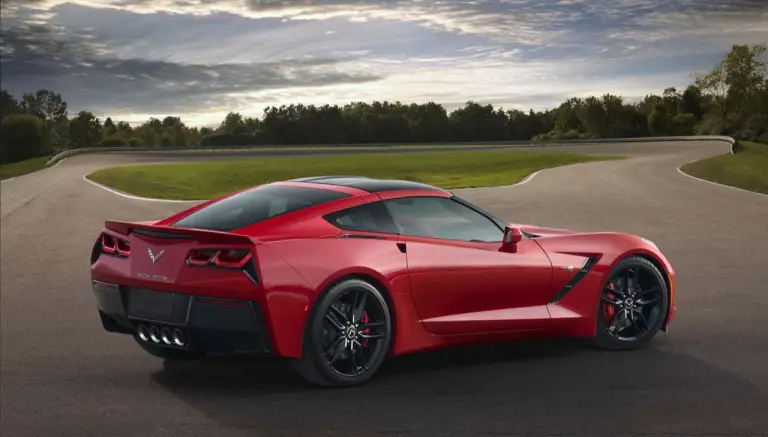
(203, 180)
(8, 171)
(335, 147)
(747, 169)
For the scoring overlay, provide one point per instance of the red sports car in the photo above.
(335, 273)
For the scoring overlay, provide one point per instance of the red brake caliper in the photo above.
(608, 309)
(363, 321)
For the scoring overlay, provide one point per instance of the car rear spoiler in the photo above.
(202, 236)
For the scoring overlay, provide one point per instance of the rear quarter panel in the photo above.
(295, 272)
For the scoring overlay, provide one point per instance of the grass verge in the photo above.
(746, 169)
(203, 180)
(15, 169)
(338, 147)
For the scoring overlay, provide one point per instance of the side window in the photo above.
(439, 217)
(370, 217)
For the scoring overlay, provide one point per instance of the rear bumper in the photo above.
(208, 324)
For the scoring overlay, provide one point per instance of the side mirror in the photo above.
(512, 236)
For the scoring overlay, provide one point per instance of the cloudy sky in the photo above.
(198, 59)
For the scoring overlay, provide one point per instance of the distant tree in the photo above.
(731, 98)
(659, 120)
(21, 137)
(50, 106)
(692, 102)
(683, 124)
(476, 122)
(85, 130)
(232, 123)
(166, 140)
(109, 127)
(8, 104)
(252, 125)
(565, 116)
(175, 131)
(147, 135)
(744, 75)
(29, 104)
(156, 126)
(113, 141)
(123, 129)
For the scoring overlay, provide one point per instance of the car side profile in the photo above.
(336, 273)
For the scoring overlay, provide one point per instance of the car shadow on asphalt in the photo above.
(492, 388)
(273, 375)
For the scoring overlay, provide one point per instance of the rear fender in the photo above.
(319, 263)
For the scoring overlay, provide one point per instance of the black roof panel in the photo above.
(367, 184)
(318, 178)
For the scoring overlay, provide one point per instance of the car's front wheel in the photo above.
(347, 336)
(633, 305)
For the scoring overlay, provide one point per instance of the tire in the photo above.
(370, 347)
(167, 353)
(650, 278)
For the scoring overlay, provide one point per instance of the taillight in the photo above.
(201, 258)
(223, 258)
(123, 247)
(232, 258)
(115, 246)
(108, 243)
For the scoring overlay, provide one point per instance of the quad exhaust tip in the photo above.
(165, 333)
(153, 334)
(143, 333)
(178, 337)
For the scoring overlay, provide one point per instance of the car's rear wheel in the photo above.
(347, 336)
(633, 305)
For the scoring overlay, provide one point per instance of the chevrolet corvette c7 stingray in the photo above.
(335, 273)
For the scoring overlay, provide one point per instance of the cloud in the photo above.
(205, 57)
(529, 22)
(40, 56)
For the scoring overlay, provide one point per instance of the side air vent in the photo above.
(580, 274)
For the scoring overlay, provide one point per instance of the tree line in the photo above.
(730, 99)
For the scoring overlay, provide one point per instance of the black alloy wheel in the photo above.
(348, 335)
(633, 305)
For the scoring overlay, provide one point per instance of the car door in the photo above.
(460, 281)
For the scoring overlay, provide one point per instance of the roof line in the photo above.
(352, 191)
(319, 178)
(368, 184)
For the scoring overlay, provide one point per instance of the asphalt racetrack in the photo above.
(63, 375)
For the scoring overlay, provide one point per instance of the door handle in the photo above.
(401, 246)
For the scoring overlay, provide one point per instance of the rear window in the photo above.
(256, 205)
